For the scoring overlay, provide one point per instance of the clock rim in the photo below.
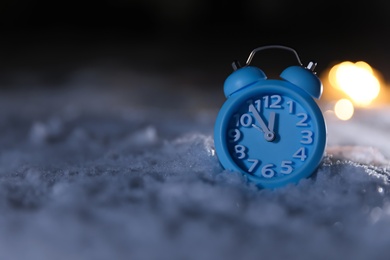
(271, 86)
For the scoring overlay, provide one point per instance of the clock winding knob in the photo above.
(311, 66)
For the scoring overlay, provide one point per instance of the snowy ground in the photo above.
(128, 172)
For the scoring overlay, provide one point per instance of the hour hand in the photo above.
(271, 122)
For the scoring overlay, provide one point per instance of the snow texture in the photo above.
(130, 172)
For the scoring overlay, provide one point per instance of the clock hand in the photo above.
(268, 135)
(258, 118)
(271, 122)
(258, 128)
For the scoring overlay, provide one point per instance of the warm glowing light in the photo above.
(344, 109)
(356, 80)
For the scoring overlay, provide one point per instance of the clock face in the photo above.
(274, 137)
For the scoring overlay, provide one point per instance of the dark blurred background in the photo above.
(47, 41)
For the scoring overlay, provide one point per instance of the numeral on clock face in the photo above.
(234, 135)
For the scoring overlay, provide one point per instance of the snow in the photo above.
(129, 171)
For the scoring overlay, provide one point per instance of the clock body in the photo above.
(298, 141)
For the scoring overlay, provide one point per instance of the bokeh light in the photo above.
(344, 109)
(356, 80)
(349, 86)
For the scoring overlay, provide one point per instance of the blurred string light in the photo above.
(359, 84)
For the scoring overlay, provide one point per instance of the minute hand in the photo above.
(268, 135)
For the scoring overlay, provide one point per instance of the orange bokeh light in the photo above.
(349, 85)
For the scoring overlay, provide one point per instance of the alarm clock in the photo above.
(271, 130)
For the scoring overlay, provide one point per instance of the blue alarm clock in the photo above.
(271, 130)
